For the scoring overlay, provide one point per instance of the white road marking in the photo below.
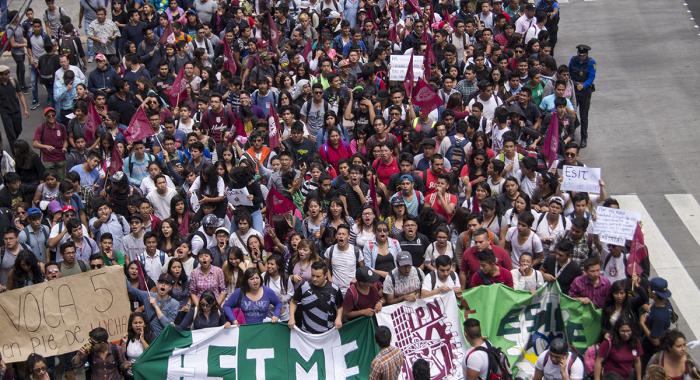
(666, 264)
(688, 210)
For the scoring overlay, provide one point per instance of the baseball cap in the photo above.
(67, 208)
(4, 68)
(33, 211)
(407, 177)
(659, 285)
(49, 109)
(54, 207)
(404, 258)
(397, 201)
(166, 277)
(364, 274)
(100, 57)
(333, 14)
(557, 200)
(222, 229)
(428, 142)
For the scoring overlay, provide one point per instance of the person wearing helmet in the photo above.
(204, 237)
(558, 362)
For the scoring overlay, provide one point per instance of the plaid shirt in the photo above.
(213, 281)
(466, 88)
(387, 364)
(582, 287)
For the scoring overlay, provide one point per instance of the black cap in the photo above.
(167, 278)
(364, 274)
(530, 7)
(583, 48)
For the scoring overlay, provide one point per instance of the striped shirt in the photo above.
(318, 305)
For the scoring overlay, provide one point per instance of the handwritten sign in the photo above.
(55, 317)
(581, 179)
(615, 226)
(238, 197)
(398, 65)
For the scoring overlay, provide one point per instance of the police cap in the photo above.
(583, 48)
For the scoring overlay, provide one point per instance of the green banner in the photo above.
(522, 324)
(261, 351)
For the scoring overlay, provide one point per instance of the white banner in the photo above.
(398, 65)
(581, 179)
(614, 226)
(428, 329)
(238, 197)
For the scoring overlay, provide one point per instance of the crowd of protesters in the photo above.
(250, 162)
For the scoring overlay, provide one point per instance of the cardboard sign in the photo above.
(615, 226)
(398, 65)
(55, 317)
(581, 179)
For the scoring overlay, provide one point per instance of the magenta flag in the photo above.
(551, 140)
(139, 127)
(408, 80)
(178, 92)
(425, 97)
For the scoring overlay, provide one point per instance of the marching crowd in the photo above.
(249, 162)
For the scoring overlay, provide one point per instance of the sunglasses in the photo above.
(96, 266)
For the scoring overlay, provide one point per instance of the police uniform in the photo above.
(583, 72)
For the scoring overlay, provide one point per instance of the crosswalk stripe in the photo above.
(688, 210)
(667, 265)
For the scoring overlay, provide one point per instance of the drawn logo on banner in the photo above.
(425, 333)
(424, 94)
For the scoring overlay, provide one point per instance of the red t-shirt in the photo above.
(54, 137)
(354, 300)
(332, 155)
(470, 263)
(619, 360)
(504, 277)
(435, 205)
(385, 171)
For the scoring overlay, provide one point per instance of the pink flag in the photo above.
(373, 195)
(551, 140)
(93, 121)
(274, 32)
(278, 204)
(307, 51)
(416, 8)
(229, 62)
(166, 33)
(425, 97)
(428, 57)
(408, 80)
(638, 252)
(178, 91)
(116, 163)
(274, 128)
(476, 207)
(139, 127)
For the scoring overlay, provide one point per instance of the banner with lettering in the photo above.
(261, 351)
(429, 329)
(523, 324)
(55, 317)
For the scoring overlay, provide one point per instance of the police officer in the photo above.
(582, 69)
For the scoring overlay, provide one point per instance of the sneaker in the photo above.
(34, 106)
(90, 59)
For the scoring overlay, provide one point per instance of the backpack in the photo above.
(24, 248)
(308, 107)
(499, 366)
(161, 256)
(68, 46)
(149, 158)
(589, 358)
(433, 279)
(455, 154)
(81, 264)
(333, 248)
(542, 215)
(572, 360)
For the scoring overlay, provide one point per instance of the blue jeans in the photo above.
(34, 78)
(258, 224)
(90, 49)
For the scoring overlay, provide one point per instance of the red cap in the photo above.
(67, 208)
(49, 109)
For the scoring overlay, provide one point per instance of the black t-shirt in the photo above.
(318, 306)
(415, 247)
(303, 151)
(352, 199)
(9, 102)
(567, 274)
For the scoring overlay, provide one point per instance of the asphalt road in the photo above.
(644, 114)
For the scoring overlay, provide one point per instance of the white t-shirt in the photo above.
(545, 231)
(449, 282)
(527, 283)
(147, 185)
(551, 371)
(161, 203)
(533, 244)
(343, 264)
(477, 360)
(614, 268)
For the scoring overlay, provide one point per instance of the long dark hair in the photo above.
(211, 300)
(174, 238)
(284, 277)
(24, 155)
(247, 275)
(20, 276)
(208, 181)
(131, 334)
(173, 202)
(182, 280)
(617, 341)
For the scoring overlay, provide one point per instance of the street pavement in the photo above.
(643, 123)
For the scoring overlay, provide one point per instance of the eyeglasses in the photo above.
(53, 271)
(204, 305)
(570, 154)
(40, 369)
(50, 115)
(318, 92)
(96, 266)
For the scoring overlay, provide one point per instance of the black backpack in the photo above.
(455, 154)
(499, 366)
